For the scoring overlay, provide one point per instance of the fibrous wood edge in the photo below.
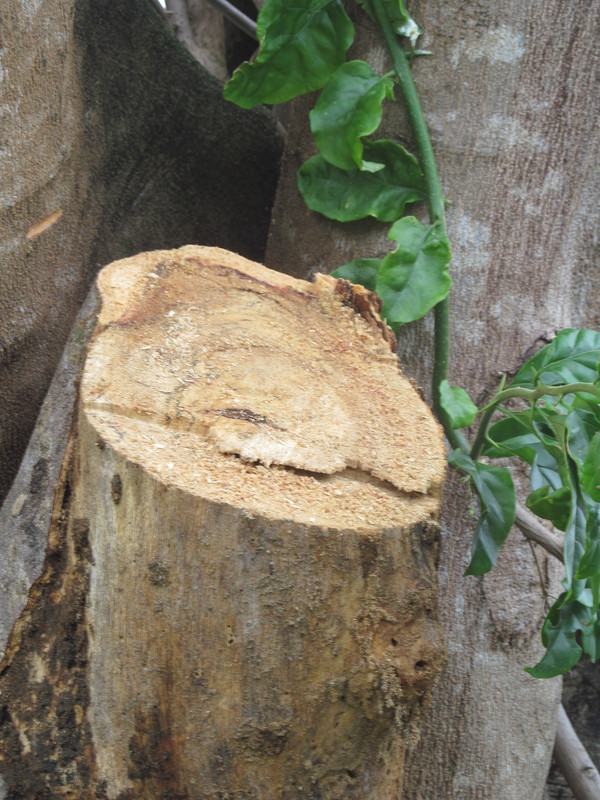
(228, 375)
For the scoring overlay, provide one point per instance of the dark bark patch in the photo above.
(154, 754)
(159, 574)
(45, 740)
(116, 488)
(39, 475)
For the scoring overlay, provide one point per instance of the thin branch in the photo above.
(528, 524)
(573, 760)
(234, 15)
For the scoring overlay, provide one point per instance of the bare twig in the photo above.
(234, 15)
(528, 524)
(574, 762)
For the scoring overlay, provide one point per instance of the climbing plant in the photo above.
(548, 415)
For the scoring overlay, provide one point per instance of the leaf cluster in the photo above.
(352, 177)
(555, 430)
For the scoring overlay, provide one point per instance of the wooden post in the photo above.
(244, 545)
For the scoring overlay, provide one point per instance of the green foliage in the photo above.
(352, 177)
(552, 420)
(457, 404)
(301, 46)
(497, 497)
(558, 435)
(349, 108)
(361, 270)
(348, 195)
(413, 278)
(571, 358)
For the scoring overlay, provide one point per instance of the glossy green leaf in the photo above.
(348, 195)
(362, 271)
(589, 564)
(302, 45)
(555, 506)
(457, 404)
(498, 504)
(591, 640)
(413, 278)
(575, 532)
(581, 428)
(558, 636)
(590, 474)
(545, 472)
(571, 357)
(512, 436)
(349, 107)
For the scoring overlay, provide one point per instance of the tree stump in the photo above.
(239, 597)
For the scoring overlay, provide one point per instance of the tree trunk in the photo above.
(113, 141)
(239, 594)
(511, 97)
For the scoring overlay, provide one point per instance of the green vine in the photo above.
(549, 414)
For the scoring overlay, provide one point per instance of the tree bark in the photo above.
(239, 594)
(113, 141)
(510, 95)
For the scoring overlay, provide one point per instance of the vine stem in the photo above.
(529, 395)
(435, 202)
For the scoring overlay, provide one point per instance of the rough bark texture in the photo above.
(510, 94)
(239, 594)
(26, 512)
(113, 141)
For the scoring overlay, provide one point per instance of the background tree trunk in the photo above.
(510, 94)
(113, 141)
(239, 597)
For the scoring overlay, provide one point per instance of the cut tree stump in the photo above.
(239, 593)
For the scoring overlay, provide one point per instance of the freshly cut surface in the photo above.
(242, 385)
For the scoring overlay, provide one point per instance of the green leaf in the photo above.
(513, 436)
(589, 565)
(362, 271)
(591, 640)
(572, 357)
(413, 278)
(302, 44)
(555, 506)
(581, 428)
(349, 107)
(558, 636)
(590, 474)
(348, 195)
(498, 504)
(575, 532)
(457, 404)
